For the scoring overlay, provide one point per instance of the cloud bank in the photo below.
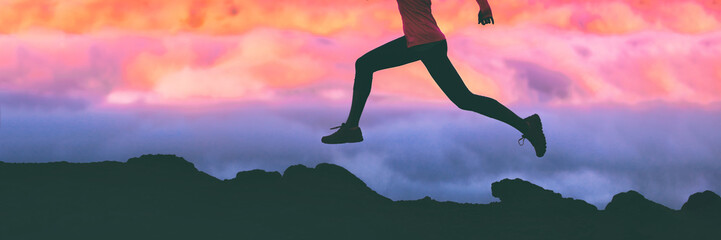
(665, 152)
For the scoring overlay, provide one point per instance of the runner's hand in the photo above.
(485, 18)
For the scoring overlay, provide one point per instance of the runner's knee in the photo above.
(464, 104)
(366, 64)
(471, 102)
(363, 73)
(362, 64)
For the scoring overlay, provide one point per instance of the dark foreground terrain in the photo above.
(166, 197)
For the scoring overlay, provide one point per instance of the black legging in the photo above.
(433, 55)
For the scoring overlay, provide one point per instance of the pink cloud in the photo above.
(609, 51)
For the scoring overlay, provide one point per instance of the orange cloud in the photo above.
(331, 16)
(256, 64)
(214, 17)
(613, 18)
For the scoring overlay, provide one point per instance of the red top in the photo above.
(419, 26)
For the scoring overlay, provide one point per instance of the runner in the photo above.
(424, 41)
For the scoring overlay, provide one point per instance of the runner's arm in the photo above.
(485, 15)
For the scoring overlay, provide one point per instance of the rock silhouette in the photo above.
(706, 203)
(633, 203)
(531, 198)
(166, 197)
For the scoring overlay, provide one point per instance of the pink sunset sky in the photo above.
(160, 52)
(612, 65)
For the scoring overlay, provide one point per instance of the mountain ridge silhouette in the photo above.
(165, 196)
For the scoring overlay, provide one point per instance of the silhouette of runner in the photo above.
(424, 41)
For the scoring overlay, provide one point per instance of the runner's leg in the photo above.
(447, 78)
(392, 54)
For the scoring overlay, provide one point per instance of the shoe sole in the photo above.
(354, 141)
(535, 118)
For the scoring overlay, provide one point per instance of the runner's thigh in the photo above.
(392, 54)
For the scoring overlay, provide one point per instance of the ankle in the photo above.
(524, 126)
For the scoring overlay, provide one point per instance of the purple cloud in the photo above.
(663, 151)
